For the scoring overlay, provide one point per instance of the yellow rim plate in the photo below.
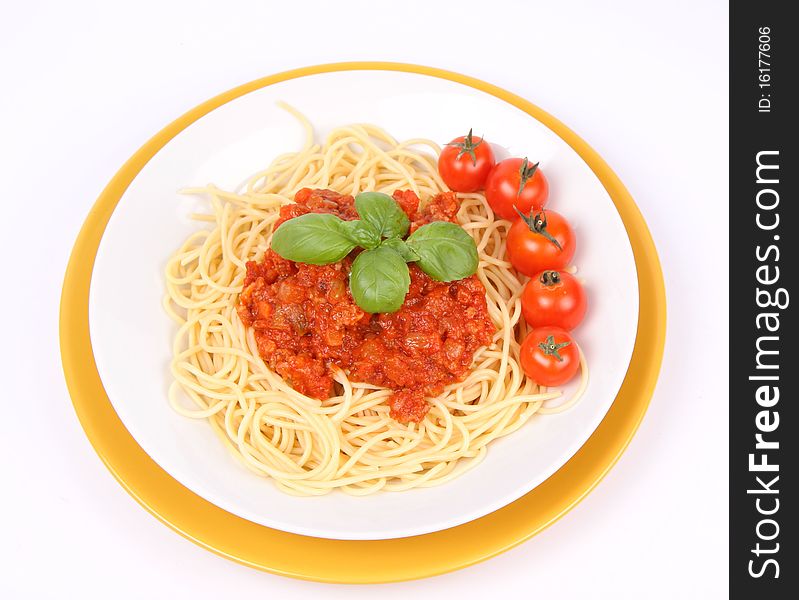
(356, 561)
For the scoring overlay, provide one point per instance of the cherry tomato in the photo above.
(550, 356)
(465, 163)
(539, 242)
(554, 298)
(516, 184)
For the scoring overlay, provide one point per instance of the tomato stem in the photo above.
(525, 174)
(538, 224)
(467, 146)
(550, 348)
(550, 278)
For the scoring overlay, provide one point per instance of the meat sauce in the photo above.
(306, 323)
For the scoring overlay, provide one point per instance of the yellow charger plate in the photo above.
(356, 561)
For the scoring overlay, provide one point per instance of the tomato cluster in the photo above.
(540, 245)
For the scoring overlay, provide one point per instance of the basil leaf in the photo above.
(446, 252)
(379, 280)
(407, 253)
(362, 233)
(315, 239)
(382, 213)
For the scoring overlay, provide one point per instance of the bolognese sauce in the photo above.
(306, 323)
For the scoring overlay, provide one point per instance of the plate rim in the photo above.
(357, 561)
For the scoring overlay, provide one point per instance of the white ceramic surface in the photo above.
(131, 335)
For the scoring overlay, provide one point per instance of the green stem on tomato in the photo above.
(550, 348)
(467, 146)
(538, 224)
(525, 174)
(550, 278)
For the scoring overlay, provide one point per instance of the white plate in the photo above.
(131, 335)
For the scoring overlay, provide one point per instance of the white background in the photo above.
(86, 83)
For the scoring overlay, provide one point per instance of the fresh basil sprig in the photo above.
(383, 214)
(362, 233)
(399, 246)
(315, 239)
(379, 278)
(446, 252)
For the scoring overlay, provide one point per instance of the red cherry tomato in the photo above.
(550, 356)
(465, 163)
(516, 184)
(554, 298)
(539, 242)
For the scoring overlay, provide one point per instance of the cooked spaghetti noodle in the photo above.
(347, 442)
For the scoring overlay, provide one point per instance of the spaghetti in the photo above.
(347, 442)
